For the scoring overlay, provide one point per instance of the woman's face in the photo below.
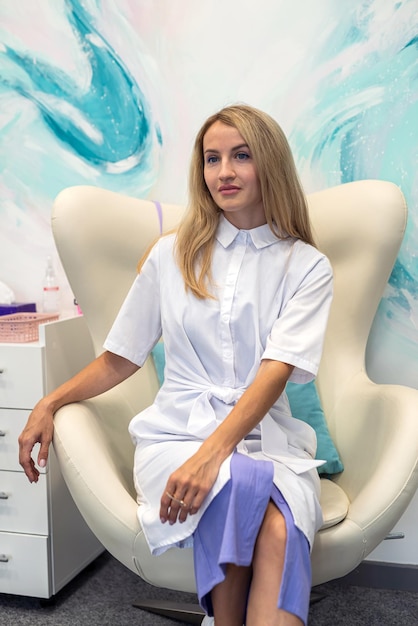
(231, 176)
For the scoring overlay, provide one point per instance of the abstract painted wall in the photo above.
(111, 93)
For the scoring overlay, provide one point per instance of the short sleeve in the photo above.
(137, 326)
(297, 335)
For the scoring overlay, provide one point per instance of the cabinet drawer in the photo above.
(24, 565)
(23, 507)
(21, 375)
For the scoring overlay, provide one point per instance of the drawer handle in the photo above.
(1, 370)
(3, 495)
(4, 558)
(2, 433)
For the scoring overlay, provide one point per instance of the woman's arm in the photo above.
(100, 375)
(192, 481)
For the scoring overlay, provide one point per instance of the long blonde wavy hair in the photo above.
(283, 199)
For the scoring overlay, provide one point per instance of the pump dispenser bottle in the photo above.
(51, 290)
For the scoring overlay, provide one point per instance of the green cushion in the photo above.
(304, 405)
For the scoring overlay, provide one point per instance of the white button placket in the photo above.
(231, 277)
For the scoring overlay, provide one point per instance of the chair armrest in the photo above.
(96, 473)
(96, 461)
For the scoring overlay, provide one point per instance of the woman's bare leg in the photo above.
(268, 565)
(229, 598)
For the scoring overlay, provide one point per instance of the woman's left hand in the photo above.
(188, 486)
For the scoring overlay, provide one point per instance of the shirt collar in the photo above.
(262, 236)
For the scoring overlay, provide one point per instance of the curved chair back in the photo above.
(101, 235)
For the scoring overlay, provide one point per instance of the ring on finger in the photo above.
(180, 502)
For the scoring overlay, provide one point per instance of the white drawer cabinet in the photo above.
(44, 542)
(23, 507)
(22, 375)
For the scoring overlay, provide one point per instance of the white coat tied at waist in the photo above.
(204, 419)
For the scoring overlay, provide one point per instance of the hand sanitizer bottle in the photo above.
(51, 290)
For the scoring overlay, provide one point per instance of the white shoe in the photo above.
(208, 621)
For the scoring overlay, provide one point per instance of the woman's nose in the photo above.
(226, 169)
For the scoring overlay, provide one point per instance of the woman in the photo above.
(241, 297)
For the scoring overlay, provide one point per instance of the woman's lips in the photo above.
(227, 190)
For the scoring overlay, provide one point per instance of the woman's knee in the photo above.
(272, 535)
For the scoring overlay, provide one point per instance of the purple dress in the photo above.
(228, 531)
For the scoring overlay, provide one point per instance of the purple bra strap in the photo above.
(160, 214)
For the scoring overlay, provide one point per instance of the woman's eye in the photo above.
(242, 156)
(211, 159)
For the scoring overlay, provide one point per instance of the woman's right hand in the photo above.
(106, 371)
(39, 429)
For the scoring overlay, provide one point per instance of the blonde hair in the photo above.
(282, 195)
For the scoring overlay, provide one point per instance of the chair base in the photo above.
(316, 596)
(192, 613)
(179, 611)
